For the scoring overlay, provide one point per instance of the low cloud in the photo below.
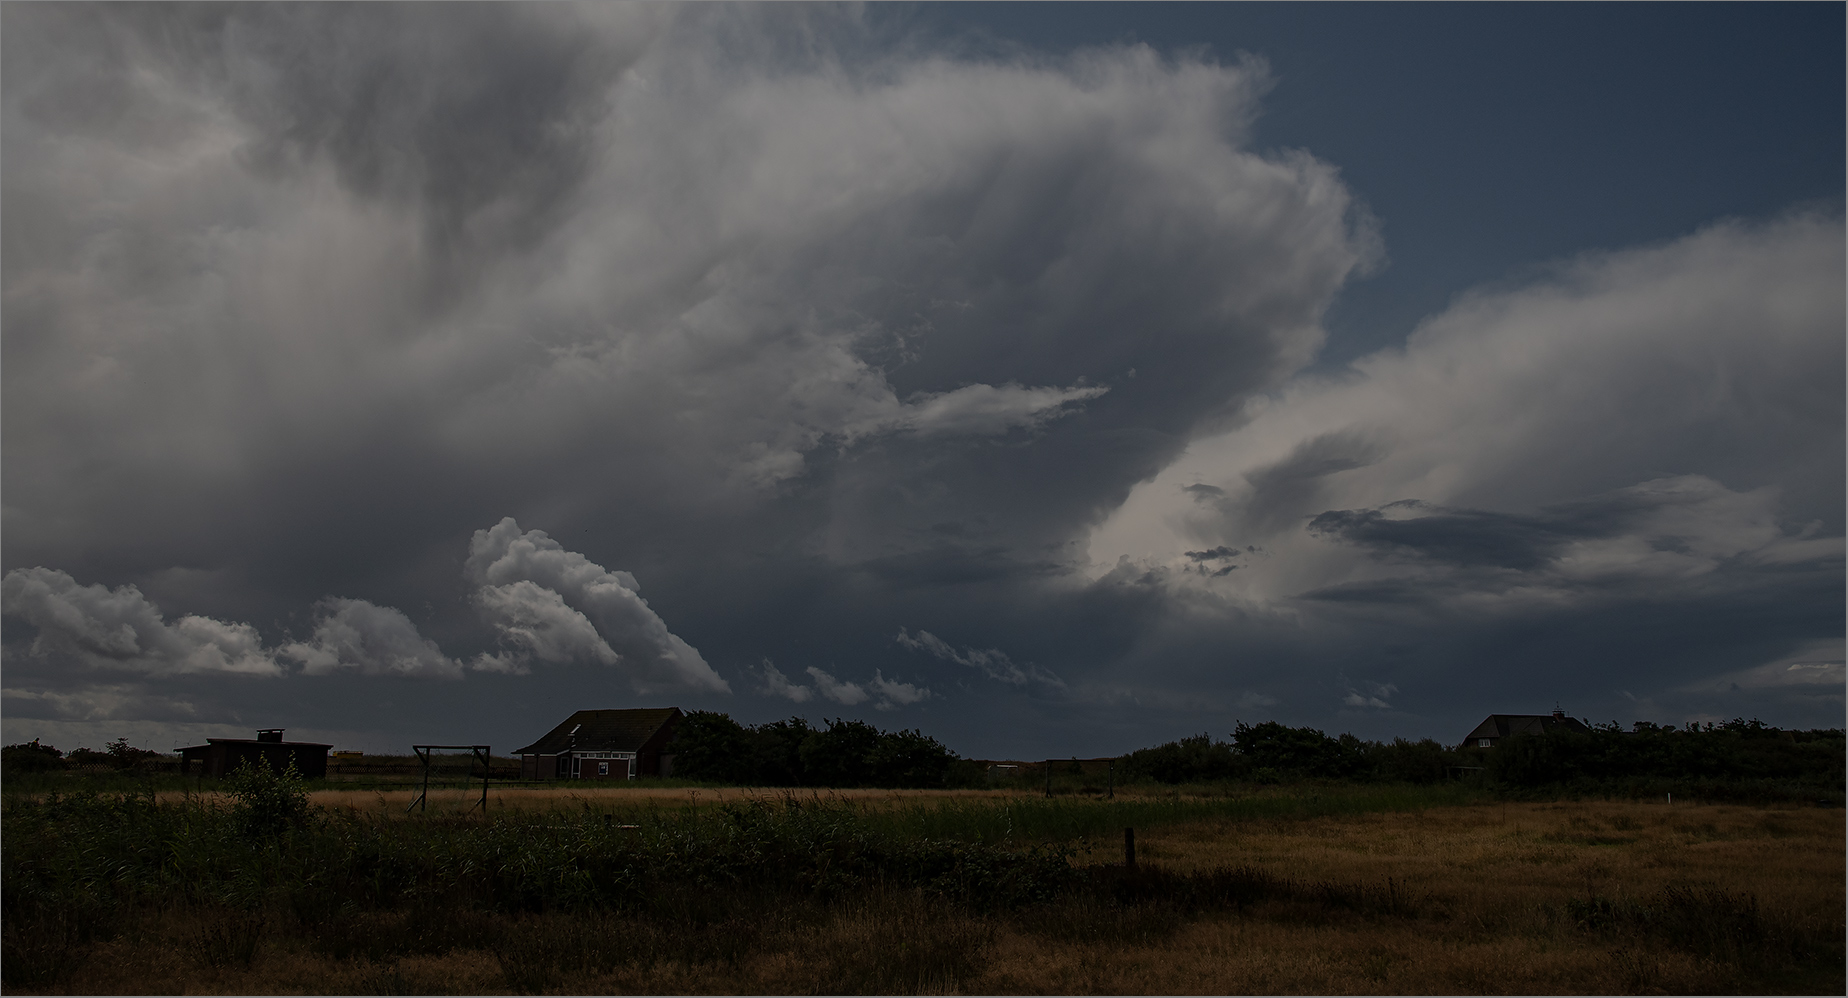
(1374, 696)
(558, 605)
(991, 662)
(119, 629)
(894, 694)
(844, 693)
(372, 640)
(777, 684)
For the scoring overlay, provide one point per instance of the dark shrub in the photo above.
(30, 757)
(1195, 759)
(711, 746)
(1402, 761)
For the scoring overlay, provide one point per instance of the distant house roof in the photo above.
(1499, 726)
(604, 731)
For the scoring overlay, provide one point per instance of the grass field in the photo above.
(1332, 889)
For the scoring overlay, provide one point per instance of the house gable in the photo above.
(603, 743)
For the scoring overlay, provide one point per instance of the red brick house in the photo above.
(603, 745)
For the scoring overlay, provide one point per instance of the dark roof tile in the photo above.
(604, 731)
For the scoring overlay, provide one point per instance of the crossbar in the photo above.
(421, 804)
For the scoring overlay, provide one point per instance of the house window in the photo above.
(603, 769)
(1485, 742)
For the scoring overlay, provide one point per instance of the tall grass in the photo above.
(799, 892)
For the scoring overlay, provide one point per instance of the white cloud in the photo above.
(844, 693)
(537, 621)
(895, 694)
(119, 629)
(1375, 696)
(777, 684)
(991, 662)
(374, 640)
(558, 604)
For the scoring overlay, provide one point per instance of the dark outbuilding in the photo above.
(1496, 727)
(220, 757)
(603, 745)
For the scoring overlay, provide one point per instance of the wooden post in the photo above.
(1049, 777)
(1129, 848)
(1112, 771)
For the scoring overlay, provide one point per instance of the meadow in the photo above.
(1306, 888)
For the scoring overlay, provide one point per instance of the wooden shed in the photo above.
(603, 745)
(220, 757)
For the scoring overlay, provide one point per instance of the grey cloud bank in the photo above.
(826, 342)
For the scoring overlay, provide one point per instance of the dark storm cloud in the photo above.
(821, 339)
(1456, 536)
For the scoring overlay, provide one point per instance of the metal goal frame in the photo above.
(424, 753)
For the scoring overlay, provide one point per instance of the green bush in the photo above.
(268, 801)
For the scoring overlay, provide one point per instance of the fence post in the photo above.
(1129, 848)
(1112, 771)
(1049, 777)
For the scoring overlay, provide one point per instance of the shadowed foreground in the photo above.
(827, 896)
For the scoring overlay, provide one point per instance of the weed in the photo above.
(230, 938)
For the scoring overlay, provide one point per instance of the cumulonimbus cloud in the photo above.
(558, 605)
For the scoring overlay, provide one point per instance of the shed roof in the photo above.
(261, 743)
(604, 731)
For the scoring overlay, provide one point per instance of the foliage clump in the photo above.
(30, 757)
(267, 800)
(1736, 750)
(1733, 758)
(1270, 752)
(711, 746)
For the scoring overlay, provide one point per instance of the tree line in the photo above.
(710, 746)
(1736, 750)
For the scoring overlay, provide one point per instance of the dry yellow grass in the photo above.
(395, 801)
(1489, 884)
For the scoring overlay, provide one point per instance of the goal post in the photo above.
(427, 755)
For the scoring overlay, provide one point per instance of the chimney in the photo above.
(1558, 715)
(269, 734)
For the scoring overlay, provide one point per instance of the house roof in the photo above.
(1500, 726)
(604, 731)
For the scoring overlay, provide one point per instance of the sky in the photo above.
(1053, 379)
